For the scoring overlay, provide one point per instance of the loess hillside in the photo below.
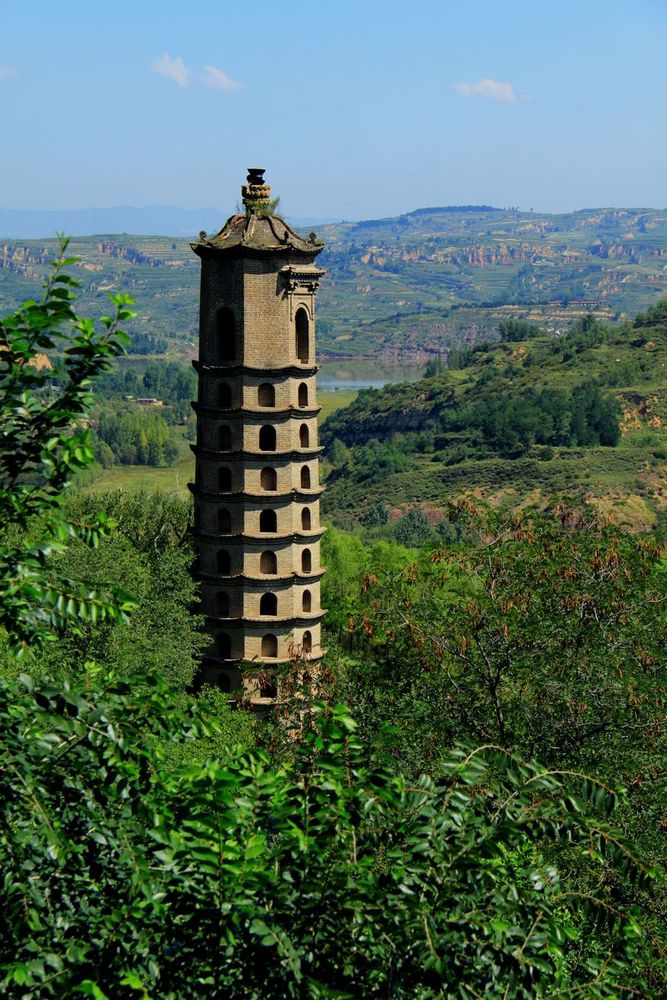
(410, 286)
(516, 422)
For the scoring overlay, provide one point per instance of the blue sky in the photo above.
(357, 109)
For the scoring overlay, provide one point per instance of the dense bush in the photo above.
(518, 330)
(582, 417)
(135, 437)
(144, 343)
(655, 316)
(328, 876)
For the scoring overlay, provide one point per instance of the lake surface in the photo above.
(363, 374)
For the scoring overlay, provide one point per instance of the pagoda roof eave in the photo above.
(238, 368)
(272, 497)
(261, 413)
(304, 455)
(256, 235)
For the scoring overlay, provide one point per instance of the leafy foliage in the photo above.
(327, 877)
(144, 343)
(376, 515)
(136, 437)
(149, 555)
(655, 316)
(413, 528)
(518, 330)
(48, 359)
(543, 632)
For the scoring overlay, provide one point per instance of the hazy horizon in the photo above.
(178, 221)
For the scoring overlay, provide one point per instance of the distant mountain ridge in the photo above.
(147, 220)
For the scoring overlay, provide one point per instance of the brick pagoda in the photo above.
(256, 491)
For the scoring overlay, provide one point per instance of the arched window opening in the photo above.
(225, 396)
(222, 604)
(303, 394)
(268, 479)
(224, 683)
(225, 480)
(305, 519)
(306, 601)
(225, 438)
(226, 330)
(224, 562)
(304, 436)
(268, 605)
(224, 521)
(307, 642)
(267, 438)
(266, 395)
(268, 563)
(268, 521)
(305, 477)
(223, 646)
(306, 561)
(302, 346)
(269, 645)
(267, 687)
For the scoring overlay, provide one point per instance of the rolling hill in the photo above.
(517, 422)
(407, 287)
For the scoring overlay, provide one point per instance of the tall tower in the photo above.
(256, 490)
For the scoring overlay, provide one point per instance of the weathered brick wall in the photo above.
(275, 337)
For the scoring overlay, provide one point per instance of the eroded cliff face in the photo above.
(24, 260)
(111, 249)
(474, 255)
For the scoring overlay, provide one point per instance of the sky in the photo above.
(356, 108)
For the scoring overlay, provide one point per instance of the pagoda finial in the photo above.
(256, 194)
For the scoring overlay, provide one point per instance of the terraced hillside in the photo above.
(414, 285)
(521, 421)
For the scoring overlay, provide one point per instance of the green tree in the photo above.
(338, 454)
(375, 516)
(148, 554)
(413, 528)
(655, 316)
(329, 876)
(544, 632)
(43, 446)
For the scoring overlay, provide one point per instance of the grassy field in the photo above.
(137, 478)
(334, 400)
(175, 478)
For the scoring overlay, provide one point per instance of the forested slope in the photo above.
(532, 415)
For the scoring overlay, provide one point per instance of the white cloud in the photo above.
(6, 72)
(493, 90)
(174, 69)
(217, 80)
